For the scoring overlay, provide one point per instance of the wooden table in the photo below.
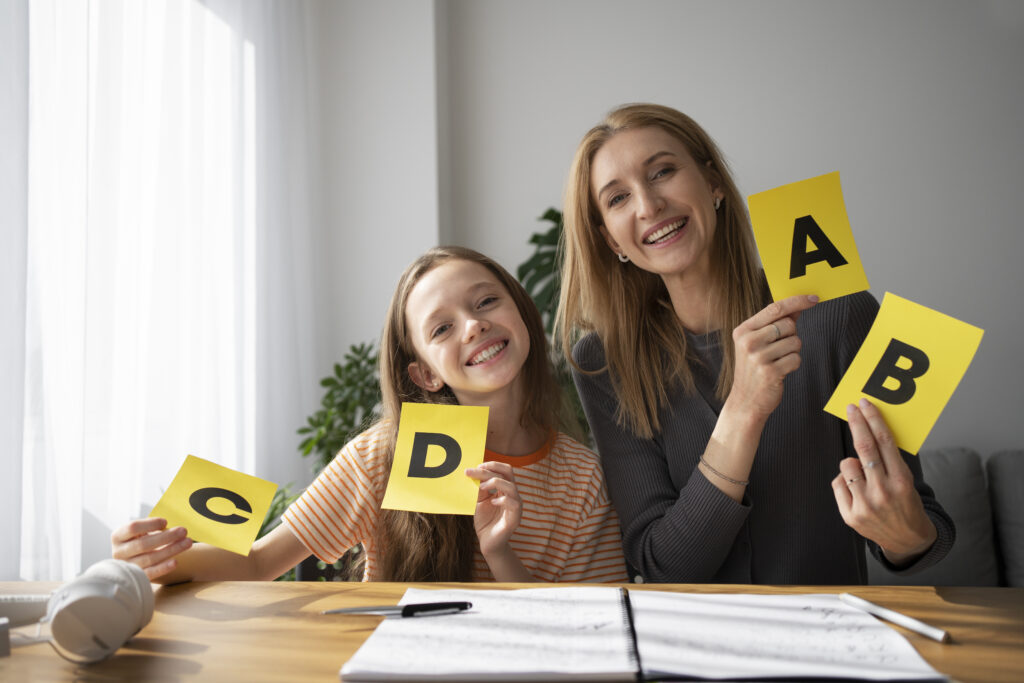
(273, 631)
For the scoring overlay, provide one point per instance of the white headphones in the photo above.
(98, 612)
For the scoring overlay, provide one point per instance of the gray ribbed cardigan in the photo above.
(678, 527)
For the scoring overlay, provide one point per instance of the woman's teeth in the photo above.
(488, 353)
(665, 232)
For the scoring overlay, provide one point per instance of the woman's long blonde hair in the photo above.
(429, 547)
(629, 308)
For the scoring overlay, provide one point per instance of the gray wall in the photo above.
(918, 103)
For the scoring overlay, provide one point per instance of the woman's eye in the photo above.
(662, 172)
(617, 199)
(439, 330)
(486, 301)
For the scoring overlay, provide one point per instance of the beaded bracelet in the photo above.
(719, 474)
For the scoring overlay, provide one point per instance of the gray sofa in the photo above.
(985, 498)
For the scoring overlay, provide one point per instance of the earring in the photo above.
(623, 258)
(718, 202)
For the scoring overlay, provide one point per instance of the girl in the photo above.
(460, 329)
(706, 404)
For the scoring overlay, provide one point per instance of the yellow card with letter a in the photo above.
(908, 366)
(436, 443)
(803, 235)
(216, 504)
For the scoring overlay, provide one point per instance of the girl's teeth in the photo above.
(487, 354)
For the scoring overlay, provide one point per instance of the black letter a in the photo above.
(806, 227)
(418, 461)
(887, 368)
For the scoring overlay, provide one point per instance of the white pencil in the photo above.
(896, 618)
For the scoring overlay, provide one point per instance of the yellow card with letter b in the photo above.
(803, 235)
(436, 443)
(908, 366)
(216, 504)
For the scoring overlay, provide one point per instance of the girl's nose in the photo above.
(474, 328)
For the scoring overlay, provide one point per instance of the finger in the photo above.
(161, 555)
(148, 543)
(780, 309)
(864, 443)
(844, 498)
(853, 475)
(490, 469)
(137, 528)
(890, 453)
(157, 570)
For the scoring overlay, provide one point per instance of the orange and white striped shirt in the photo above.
(568, 530)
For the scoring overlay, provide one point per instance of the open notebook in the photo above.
(609, 634)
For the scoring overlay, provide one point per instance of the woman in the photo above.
(706, 403)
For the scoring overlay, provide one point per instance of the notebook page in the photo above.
(525, 634)
(746, 635)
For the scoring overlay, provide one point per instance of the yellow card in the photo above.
(805, 240)
(908, 366)
(436, 443)
(216, 504)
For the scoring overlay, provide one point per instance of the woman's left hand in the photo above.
(875, 491)
(498, 506)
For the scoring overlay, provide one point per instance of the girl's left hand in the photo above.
(498, 506)
(875, 491)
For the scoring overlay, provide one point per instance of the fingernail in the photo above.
(864, 403)
(850, 408)
(812, 297)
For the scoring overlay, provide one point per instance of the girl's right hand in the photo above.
(150, 545)
(767, 349)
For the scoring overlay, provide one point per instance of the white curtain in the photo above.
(171, 222)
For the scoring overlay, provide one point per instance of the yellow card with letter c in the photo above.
(436, 443)
(908, 366)
(216, 504)
(803, 235)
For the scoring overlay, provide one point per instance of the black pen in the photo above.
(416, 609)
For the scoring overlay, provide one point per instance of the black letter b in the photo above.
(418, 460)
(887, 368)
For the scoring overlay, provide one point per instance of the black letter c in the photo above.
(200, 499)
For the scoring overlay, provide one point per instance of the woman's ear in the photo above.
(423, 377)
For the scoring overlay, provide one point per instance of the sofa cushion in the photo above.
(958, 479)
(1006, 484)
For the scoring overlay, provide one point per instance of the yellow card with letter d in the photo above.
(803, 235)
(908, 366)
(216, 504)
(436, 443)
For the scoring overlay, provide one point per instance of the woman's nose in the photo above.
(649, 203)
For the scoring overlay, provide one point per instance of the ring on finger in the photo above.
(778, 333)
(854, 480)
(871, 464)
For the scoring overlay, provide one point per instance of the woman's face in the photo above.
(656, 203)
(467, 332)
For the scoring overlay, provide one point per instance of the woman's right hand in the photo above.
(150, 545)
(767, 349)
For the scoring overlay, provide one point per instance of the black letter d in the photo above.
(418, 461)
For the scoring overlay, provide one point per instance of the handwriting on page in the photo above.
(539, 630)
(746, 635)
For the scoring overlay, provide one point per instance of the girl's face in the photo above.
(656, 203)
(467, 332)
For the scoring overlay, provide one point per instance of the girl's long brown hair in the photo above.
(629, 308)
(429, 547)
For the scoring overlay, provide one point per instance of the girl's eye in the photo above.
(439, 330)
(617, 199)
(486, 301)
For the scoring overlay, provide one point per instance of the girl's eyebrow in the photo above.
(647, 162)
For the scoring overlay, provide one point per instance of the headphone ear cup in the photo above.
(93, 615)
